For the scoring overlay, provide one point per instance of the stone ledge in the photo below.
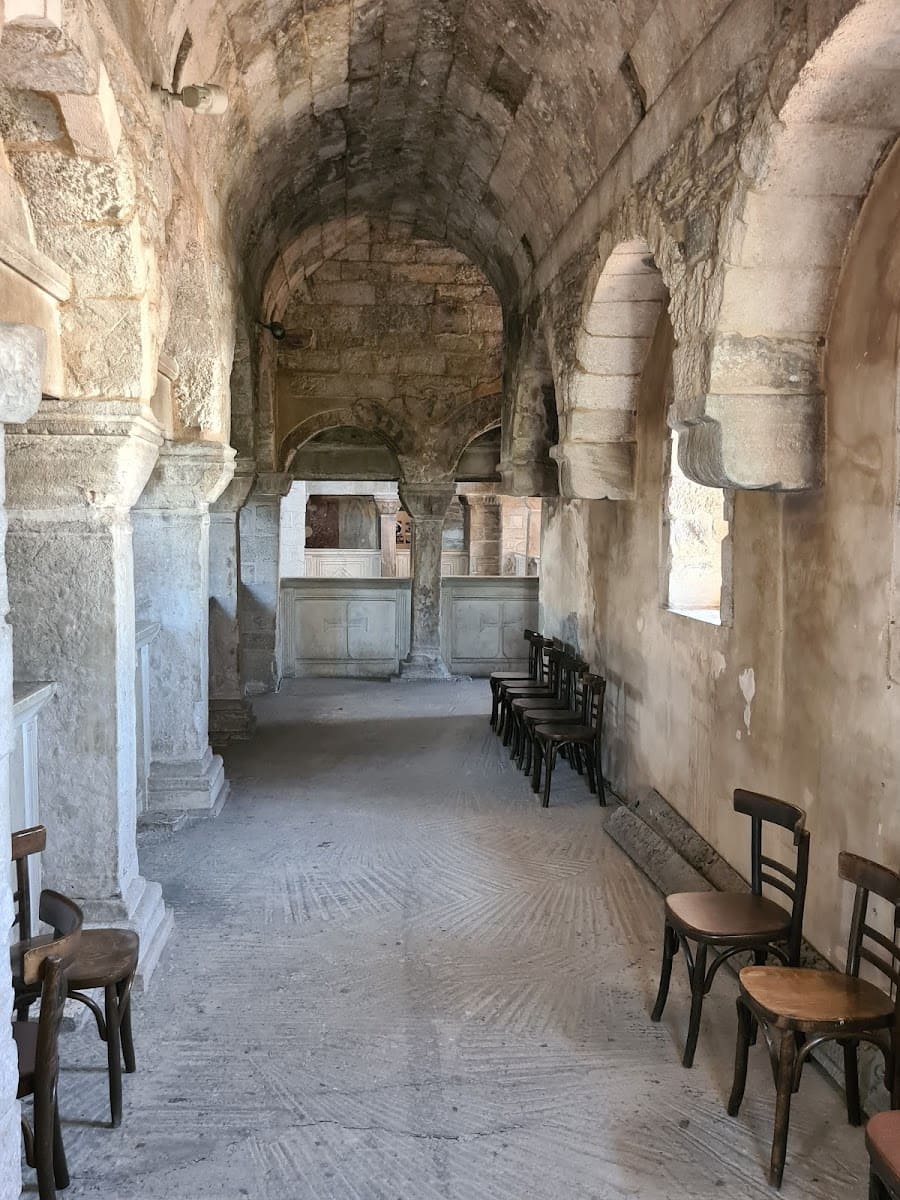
(675, 858)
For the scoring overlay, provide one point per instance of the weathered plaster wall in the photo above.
(794, 699)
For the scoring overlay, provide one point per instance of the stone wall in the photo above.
(397, 335)
(796, 698)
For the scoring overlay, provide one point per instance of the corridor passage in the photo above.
(394, 977)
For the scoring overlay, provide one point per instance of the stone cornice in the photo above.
(188, 476)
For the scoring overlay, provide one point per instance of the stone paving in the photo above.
(394, 977)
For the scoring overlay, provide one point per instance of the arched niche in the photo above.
(750, 392)
(335, 446)
(597, 447)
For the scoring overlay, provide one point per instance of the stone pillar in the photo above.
(388, 507)
(514, 516)
(427, 506)
(292, 533)
(230, 712)
(74, 470)
(171, 552)
(484, 533)
(21, 362)
(258, 606)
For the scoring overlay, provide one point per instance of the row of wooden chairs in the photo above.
(798, 1008)
(67, 962)
(553, 709)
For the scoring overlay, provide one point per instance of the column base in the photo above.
(197, 786)
(230, 721)
(424, 667)
(142, 909)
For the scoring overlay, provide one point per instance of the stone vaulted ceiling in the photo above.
(482, 122)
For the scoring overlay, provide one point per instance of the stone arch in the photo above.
(64, 142)
(373, 420)
(530, 421)
(597, 446)
(751, 394)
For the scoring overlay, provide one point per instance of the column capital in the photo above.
(22, 351)
(83, 456)
(427, 502)
(534, 478)
(273, 483)
(234, 497)
(387, 506)
(487, 499)
(188, 475)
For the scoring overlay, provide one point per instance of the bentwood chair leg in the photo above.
(698, 991)
(60, 1166)
(589, 765)
(893, 1067)
(45, 1122)
(851, 1082)
(576, 758)
(670, 949)
(538, 764)
(877, 1190)
(123, 989)
(548, 773)
(114, 1054)
(528, 756)
(741, 1058)
(785, 1085)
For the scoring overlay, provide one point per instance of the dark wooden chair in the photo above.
(883, 1144)
(107, 959)
(42, 968)
(535, 642)
(582, 737)
(548, 684)
(731, 923)
(802, 1008)
(568, 708)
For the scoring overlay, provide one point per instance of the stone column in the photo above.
(74, 470)
(230, 712)
(258, 606)
(427, 506)
(21, 361)
(388, 507)
(484, 533)
(514, 516)
(292, 533)
(171, 552)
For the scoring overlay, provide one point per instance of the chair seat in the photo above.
(511, 676)
(104, 957)
(547, 703)
(550, 716)
(807, 996)
(883, 1144)
(727, 916)
(566, 732)
(25, 1034)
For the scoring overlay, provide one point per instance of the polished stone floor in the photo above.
(394, 977)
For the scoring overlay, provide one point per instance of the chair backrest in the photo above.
(871, 878)
(535, 654)
(25, 842)
(768, 871)
(593, 690)
(554, 671)
(66, 919)
(54, 989)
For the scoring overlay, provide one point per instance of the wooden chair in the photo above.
(730, 923)
(549, 684)
(534, 641)
(883, 1144)
(584, 736)
(802, 1008)
(42, 967)
(107, 959)
(529, 713)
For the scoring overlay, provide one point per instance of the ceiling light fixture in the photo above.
(276, 329)
(206, 98)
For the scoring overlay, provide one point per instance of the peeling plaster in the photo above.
(747, 683)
